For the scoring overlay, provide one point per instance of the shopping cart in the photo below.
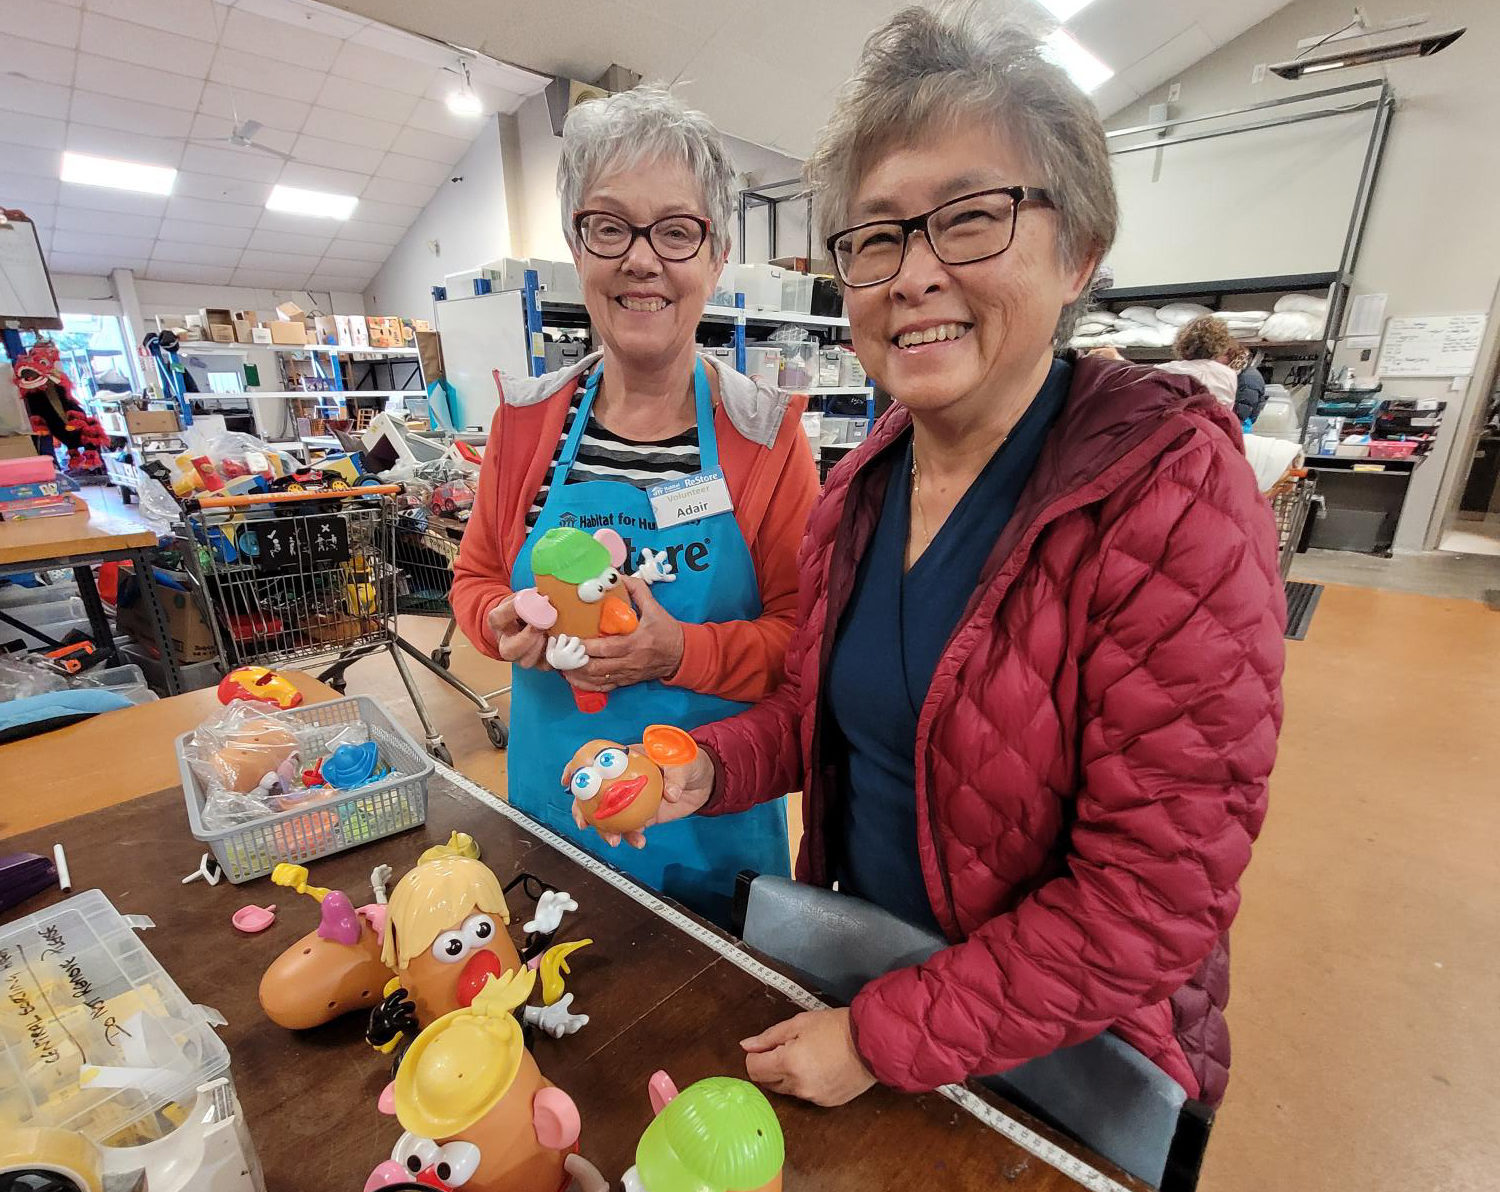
(426, 549)
(301, 576)
(1291, 499)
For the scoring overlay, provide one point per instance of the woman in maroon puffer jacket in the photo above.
(1034, 691)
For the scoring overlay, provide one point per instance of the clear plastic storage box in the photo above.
(95, 1036)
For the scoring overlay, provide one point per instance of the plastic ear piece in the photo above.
(535, 609)
(661, 1091)
(556, 1119)
(612, 542)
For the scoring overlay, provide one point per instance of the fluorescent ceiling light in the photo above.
(1410, 47)
(311, 202)
(120, 175)
(1082, 67)
(1063, 9)
(465, 103)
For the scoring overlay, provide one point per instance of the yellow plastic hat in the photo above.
(464, 1063)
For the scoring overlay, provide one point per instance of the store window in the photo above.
(92, 351)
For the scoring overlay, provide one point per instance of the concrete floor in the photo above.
(1365, 980)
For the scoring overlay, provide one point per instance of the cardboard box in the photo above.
(341, 332)
(290, 312)
(325, 328)
(283, 332)
(244, 322)
(260, 335)
(359, 331)
(188, 630)
(152, 422)
(385, 331)
(18, 447)
(796, 264)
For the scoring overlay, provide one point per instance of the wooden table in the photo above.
(657, 998)
(108, 758)
(78, 542)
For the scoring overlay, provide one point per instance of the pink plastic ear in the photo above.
(662, 1090)
(614, 543)
(535, 609)
(386, 1103)
(388, 1173)
(374, 914)
(556, 1119)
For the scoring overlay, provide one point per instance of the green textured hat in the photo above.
(571, 555)
(719, 1135)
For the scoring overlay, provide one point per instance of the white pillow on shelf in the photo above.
(1179, 314)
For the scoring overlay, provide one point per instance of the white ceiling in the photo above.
(358, 104)
(767, 70)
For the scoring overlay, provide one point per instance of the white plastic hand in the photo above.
(586, 1177)
(555, 1019)
(654, 568)
(550, 909)
(565, 653)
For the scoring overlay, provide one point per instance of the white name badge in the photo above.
(700, 495)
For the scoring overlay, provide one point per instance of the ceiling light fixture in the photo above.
(311, 202)
(119, 175)
(1063, 9)
(1082, 67)
(1409, 47)
(463, 102)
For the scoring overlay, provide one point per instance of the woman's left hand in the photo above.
(811, 1056)
(653, 650)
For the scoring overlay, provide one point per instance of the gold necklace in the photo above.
(916, 497)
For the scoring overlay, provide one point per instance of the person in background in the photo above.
(1250, 389)
(648, 198)
(1208, 353)
(1034, 691)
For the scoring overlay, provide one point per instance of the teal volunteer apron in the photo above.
(693, 860)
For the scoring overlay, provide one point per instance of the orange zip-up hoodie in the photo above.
(772, 481)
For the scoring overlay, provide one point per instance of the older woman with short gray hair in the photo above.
(583, 462)
(1034, 692)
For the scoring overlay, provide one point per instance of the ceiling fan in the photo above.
(242, 136)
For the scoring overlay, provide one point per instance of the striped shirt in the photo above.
(603, 455)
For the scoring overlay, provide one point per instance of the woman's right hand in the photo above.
(685, 789)
(517, 642)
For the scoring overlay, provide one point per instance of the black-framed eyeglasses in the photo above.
(972, 227)
(672, 237)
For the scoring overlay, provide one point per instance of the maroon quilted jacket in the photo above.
(1092, 755)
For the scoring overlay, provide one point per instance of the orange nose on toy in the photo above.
(479, 969)
(617, 618)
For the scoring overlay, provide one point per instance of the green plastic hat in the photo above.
(571, 555)
(719, 1135)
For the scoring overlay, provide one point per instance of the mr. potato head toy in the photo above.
(476, 1112)
(618, 789)
(446, 937)
(578, 595)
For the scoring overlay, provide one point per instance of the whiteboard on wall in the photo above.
(1431, 346)
(1264, 203)
(479, 336)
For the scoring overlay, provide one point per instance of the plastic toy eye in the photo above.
(415, 1153)
(585, 784)
(591, 591)
(611, 763)
(611, 578)
(450, 947)
(456, 1163)
(478, 930)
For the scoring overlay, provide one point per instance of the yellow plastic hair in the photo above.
(553, 965)
(460, 844)
(434, 897)
(294, 877)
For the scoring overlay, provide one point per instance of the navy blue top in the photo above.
(887, 646)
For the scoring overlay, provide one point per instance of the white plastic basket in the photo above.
(303, 834)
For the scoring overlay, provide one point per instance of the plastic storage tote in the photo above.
(97, 1038)
(356, 817)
